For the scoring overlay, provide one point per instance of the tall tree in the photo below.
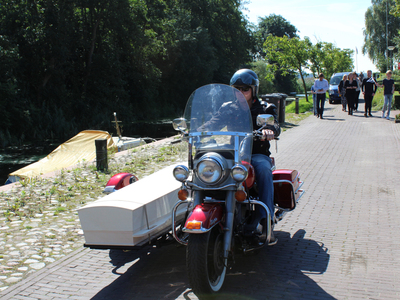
(288, 54)
(396, 12)
(375, 34)
(276, 25)
(67, 65)
(328, 59)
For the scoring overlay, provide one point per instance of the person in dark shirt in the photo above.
(368, 88)
(342, 92)
(361, 76)
(351, 86)
(358, 91)
(388, 84)
(246, 81)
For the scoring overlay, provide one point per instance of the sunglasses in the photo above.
(242, 88)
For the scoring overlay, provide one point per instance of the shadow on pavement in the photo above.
(280, 272)
(276, 272)
(331, 118)
(288, 125)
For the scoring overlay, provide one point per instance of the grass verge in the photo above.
(291, 118)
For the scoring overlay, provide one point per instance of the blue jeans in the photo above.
(262, 166)
(388, 104)
(314, 98)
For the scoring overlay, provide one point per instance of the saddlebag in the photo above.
(286, 188)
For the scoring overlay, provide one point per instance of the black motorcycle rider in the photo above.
(247, 82)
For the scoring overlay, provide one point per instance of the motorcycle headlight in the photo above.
(239, 173)
(181, 173)
(209, 170)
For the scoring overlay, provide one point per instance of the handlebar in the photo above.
(258, 133)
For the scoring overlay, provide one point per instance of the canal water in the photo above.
(14, 158)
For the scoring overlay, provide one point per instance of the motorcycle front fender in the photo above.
(204, 217)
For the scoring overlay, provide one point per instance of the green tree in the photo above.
(67, 65)
(208, 47)
(8, 87)
(80, 61)
(328, 59)
(288, 54)
(316, 58)
(276, 25)
(375, 38)
(395, 11)
(266, 84)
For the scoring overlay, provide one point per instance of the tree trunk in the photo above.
(304, 84)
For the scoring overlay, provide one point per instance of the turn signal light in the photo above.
(193, 225)
(240, 196)
(183, 194)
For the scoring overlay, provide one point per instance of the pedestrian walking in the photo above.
(361, 76)
(351, 86)
(358, 90)
(342, 92)
(368, 88)
(388, 84)
(321, 86)
(314, 98)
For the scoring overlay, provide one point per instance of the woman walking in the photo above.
(358, 90)
(342, 92)
(351, 86)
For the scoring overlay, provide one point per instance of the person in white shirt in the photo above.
(321, 86)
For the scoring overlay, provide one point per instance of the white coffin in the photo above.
(134, 214)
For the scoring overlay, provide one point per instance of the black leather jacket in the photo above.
(262, 147)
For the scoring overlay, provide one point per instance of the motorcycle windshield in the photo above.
(218, 118)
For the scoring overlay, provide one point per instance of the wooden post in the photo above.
(297, 105)
(101, 154)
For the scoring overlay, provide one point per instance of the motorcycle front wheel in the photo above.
(205, 263)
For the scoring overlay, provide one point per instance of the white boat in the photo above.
(125, 143)
(134, 215)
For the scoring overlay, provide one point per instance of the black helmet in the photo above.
(246, 77)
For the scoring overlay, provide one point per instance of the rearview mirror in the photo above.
(266, 119)
(179, 124)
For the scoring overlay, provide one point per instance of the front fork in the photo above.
(229, 220)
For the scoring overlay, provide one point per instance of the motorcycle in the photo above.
(219, 186)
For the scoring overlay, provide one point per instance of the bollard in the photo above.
(101, 154)
(297, 106)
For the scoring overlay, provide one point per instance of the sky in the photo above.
(336, 21)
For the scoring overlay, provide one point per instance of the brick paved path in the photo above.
(342, 241)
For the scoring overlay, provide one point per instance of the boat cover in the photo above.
(134, 214)
(78, 149)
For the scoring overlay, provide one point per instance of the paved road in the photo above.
(342, 241)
